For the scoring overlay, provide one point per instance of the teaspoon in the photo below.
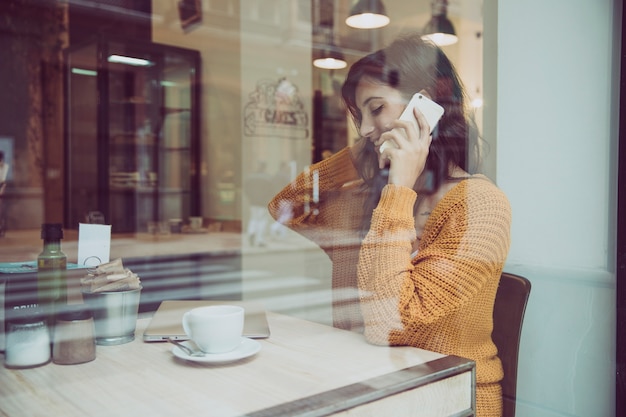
(190, 347)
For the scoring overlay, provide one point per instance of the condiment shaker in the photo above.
(74, 336)
(27, 341)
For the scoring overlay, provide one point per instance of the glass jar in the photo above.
(74, 336)
(27, 342)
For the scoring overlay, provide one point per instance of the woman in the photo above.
(416, 237)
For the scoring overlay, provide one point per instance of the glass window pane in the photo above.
(229, 168)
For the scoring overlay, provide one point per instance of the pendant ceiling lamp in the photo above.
(440, 29)
(330, 56)
(330, 59)
(368, 14)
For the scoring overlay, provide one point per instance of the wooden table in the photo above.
(303, 369)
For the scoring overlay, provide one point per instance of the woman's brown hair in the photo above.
(410, 65)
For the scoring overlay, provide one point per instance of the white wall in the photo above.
(556, 136)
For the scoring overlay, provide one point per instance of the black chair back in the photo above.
(508, 316)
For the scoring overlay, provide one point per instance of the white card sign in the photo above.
(94, 244)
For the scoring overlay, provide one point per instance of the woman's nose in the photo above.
(366, 129)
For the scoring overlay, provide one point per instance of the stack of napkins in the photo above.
(111, 276)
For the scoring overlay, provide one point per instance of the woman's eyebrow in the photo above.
(367, 100)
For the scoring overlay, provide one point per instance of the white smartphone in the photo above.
(431, 110)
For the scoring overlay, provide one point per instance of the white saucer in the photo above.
(248, 347)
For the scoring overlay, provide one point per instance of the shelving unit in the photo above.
(137, 163)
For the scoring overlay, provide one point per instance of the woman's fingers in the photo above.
(408, 158)
(422, 123)
(405, 146)
(391, 143)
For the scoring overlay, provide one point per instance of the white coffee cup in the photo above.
(215, 329)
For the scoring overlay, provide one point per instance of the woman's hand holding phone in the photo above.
(407, 159)
(405, 147)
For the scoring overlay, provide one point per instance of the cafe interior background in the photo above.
(232, 89)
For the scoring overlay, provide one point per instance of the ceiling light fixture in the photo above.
(440, 29)
(368, 14)
(328, 55)
(128, 60)
(82, 71)
(330, 59)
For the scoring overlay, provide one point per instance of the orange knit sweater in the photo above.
(442, 298)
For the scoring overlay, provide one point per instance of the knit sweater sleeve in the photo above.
(311, 204)
(465, 242)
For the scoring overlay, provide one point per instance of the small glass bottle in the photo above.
(51, 271)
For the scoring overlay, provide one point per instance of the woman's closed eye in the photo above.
(376, 111)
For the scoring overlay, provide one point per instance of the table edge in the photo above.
(353, 395)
